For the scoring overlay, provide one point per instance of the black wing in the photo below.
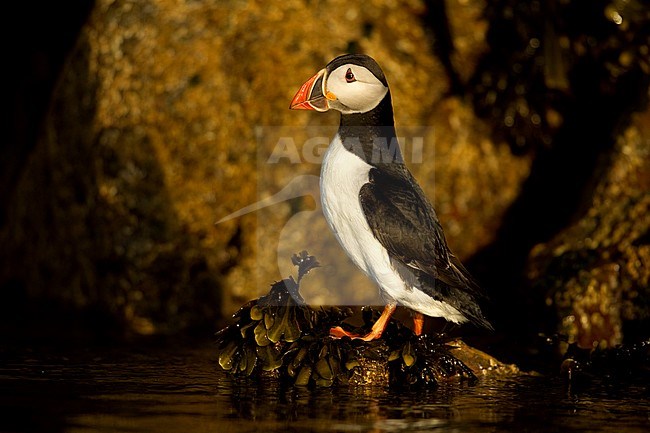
(405, 223)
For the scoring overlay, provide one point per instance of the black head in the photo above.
(359, 60)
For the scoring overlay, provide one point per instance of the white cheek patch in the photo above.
(359, 96)
(362, 97)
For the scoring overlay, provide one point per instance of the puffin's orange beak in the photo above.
(311, 95)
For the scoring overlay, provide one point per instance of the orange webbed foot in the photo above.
(338, 332)
(377, 328)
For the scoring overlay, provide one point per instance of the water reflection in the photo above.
(184, 390)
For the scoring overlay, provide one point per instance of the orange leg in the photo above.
(377, 328)
(418, 323)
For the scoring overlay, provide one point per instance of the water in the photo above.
(175, 389)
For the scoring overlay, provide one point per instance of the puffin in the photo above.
(375, 207)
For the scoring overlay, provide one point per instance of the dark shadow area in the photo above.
(560, 81)
(38, 36)
(564, 63)
(436, 22)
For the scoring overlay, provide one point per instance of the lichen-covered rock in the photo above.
(160, 126)
(596, 273)
(470, 178)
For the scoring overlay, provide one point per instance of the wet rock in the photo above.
(480, 362)
(621, 362)
(595, 274)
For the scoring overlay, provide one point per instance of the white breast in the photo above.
(342, 176)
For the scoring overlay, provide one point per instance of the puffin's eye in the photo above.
(349, 76)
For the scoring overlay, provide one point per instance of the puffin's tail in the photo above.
(454, 286)
(464, 286)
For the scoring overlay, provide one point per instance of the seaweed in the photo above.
(279, 335)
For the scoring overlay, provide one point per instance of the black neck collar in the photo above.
(371, 136)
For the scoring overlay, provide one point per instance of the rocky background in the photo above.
(136, 126)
